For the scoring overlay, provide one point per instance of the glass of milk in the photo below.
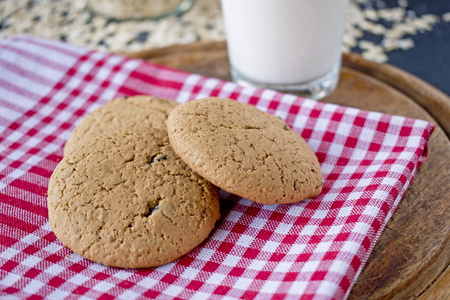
(291, 45)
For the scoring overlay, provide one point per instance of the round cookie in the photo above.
(125, 199)
(244, 151)
(122, 113)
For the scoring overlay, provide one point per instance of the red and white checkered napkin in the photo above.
(313, 249)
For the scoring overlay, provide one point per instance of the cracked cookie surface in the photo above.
(125, 199)
(244, 151)
(122, 113)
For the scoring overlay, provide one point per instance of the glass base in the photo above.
(114, 10)
(315, 89)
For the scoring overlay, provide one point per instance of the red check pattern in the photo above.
(310, 250)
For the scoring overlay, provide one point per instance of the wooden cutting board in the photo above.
(411, 258)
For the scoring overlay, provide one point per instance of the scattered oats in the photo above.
(372, 51)
(366, 45)
(401, 29)
(392, 14)
(350, 41)
(358, 33)
(346, 49)
(405, 44)
(396, 44)
(79, 5)
(376, 56)
(371, 14)
(425, 22)
(98, 22)
(354, 14)
(80, 27)
(111, 28)
(446, 17)
(371, 27)
(430, 18)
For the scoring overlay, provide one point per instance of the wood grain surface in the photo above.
(411, 258)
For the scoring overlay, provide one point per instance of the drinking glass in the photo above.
(289, 45)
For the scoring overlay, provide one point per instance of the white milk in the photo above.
(284, 41)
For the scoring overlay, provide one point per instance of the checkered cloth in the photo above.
(312, 249)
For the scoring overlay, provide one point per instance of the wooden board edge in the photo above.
(176, 49)
(440, 289)
(440, 286)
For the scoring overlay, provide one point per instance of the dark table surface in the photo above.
(429, 59)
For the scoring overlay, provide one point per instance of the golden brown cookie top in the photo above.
(125, 199)
(244, 151)
(122, 113)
